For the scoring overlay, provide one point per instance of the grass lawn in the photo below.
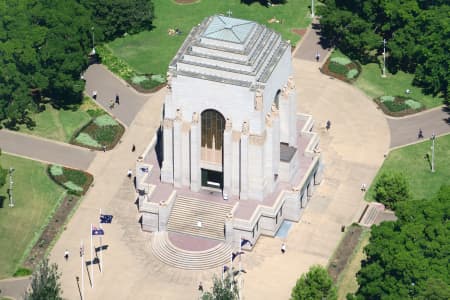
(410, 160)
(150, 52)
(347, 281)
(60, 124)
(371, 82)
(35, 198)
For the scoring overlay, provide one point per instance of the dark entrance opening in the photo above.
(212, 179)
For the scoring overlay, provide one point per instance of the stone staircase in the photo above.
(370, 214)
(171, 255)
(198, 217)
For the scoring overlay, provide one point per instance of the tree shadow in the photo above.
(159, 147)
(447, 110)
(265, 3)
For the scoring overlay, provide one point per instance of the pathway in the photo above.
(14, 287)
(107, 85)
(404, 130)
(45, 150)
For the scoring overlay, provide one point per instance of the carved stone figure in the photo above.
(245, 128)
(291, 83)
(258, 100)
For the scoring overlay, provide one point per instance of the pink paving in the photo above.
(245, 208)
(192, 243)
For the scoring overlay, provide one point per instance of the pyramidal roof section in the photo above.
(229, 50)
(228, 29)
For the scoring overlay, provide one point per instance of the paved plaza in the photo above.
(352, 152)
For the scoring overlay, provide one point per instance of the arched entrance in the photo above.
(212, 127)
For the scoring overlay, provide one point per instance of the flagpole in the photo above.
(101, 246)
(92, 260)
(240, 268)
(82, 269)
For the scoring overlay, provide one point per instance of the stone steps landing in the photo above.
(188, 212)
(371, 213)
(176, 257)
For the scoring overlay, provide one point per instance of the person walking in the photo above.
(94, 95)
(129, 173)
(420, 134)
(66, 255)
(117, 99)
(317, 56)
(328, 126)
(283, 248)
(133, 148)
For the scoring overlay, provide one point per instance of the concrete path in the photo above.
(107, 85)
(14, 287)
(45, 150)
(311, 44)
(405, 130)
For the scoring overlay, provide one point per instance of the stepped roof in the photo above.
(229, 50)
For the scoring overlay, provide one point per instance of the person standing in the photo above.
(94, 95)
(283, 248)
(66, 255)
(117, 99)
(133, 148)
(328, 126)
(317, 56)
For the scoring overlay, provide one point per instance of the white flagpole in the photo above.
(82, 269)
(92, 260)
(101, 245)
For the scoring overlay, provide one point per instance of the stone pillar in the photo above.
(195, 154)
(244, 162)
(256, 166)
(284, 115)
(292, 113)
(177, 124)
(167, 165)
(228, 229)
(227, 158)
(185, 153)
(268, 155)
(275, 139)
(235, 163)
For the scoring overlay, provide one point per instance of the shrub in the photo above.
(159, 78)
(22, 272)
(391, 188)
(340, 60)
(413, 104)
(387, 98)
(352, 73)
(106, 134)
(86, 139)
(115, 64)
(337, 68)
(72, 186)
(95, 112)
(56, 170)
(138, 79)
(395, 106)
(105, 120)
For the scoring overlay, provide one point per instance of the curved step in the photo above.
(174, 256)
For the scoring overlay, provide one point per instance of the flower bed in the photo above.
(75, 181)
(342, 68)
(398, 106)
(102, 132)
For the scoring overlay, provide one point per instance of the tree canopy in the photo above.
(226, 289)
(417, 34)
(3, 173)
(317, 284)
(44, 48)
(409, 258)
(391, 188)
(45, 283)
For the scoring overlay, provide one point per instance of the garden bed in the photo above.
(102, 133)
(74, 181)
(398, 106)
(342, 68)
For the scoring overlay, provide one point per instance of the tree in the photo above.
(3, 173)
(114, 18)
(45, 283)
(409, 258)
(391, 188)
(223, 290)
(317, 284)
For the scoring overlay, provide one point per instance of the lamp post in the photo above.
(384, 58)
(433, 137)
(10, 192)
(93, 42)
(312, 8)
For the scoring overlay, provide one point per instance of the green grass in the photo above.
(60, 124)
(371, 82)
(411, 161)
(35, 197)
(150, 52)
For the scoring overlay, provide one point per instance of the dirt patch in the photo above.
(344, 251)
(299, 31)
(51, 231)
